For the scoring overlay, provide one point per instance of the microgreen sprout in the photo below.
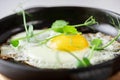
(115, 38)
(62, 26)
(109, 43)
(84, 62)
(25, 25)
(90, 21)
(29, 31)
(96, 44)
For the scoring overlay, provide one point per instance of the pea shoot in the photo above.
(96, 44)
(29, 32)
(84, 62)
(60, 26)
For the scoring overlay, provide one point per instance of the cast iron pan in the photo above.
(42, 17)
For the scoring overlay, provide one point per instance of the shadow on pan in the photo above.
(42, 17)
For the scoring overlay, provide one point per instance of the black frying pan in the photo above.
(42, 17)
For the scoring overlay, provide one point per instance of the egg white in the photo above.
(44, 57)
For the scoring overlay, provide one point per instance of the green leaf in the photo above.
(58, 25)
(80, 63)
(95, 45)
(14, 43)
(97, 42)
(70, 30)
(87, 61)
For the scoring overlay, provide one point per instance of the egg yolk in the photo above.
(69, 42)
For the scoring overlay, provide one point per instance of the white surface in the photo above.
(9, 6)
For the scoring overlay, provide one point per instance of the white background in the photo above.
(8, 7)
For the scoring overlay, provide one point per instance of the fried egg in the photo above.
(53, 53)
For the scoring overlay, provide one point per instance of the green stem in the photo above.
(46, 40)
(109, 43)
(91, 52)
(79, 25)
(88, 22)
(45, 30)
(91, 17)
(34, 34)
(25, 24)
(80, 61)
